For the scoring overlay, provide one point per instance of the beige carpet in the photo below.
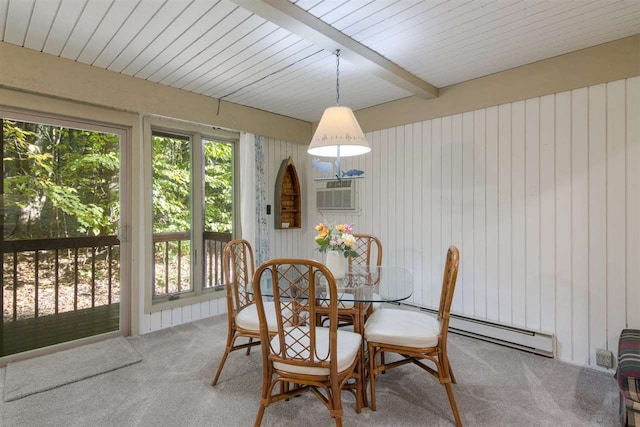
(44, 373)
(496, 387)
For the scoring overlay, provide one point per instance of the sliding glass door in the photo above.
(59, 235)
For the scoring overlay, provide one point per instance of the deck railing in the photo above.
(214, 244)
(50, 276)
(173, 264)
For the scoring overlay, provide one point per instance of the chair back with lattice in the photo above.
(296, 285)
(448, 286)
(369, 249)
(238, 268)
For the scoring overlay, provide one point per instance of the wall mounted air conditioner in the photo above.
(336, 196)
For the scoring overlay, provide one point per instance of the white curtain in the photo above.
(261, 247)
(248, 187)
(253, 203)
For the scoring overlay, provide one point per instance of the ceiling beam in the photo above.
(300, 22)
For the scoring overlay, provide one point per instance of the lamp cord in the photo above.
(337, 76)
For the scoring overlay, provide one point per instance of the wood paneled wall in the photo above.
(542, 197)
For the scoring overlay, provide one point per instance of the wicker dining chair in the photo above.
(416, 336)
(303, 355)
(238, 268)
(368, 248)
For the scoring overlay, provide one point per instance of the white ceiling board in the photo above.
(133, 25)
(214, 73)
(428, 38)
(296, 72)
(300, 22)
(540, 51)
(246, 50)
(316, 65)
(361, 14)
(217, 48)
(500, 30)
(111, 24)
(17, 21)
(276, 63)
(400, 47)
(63, 25)
(315, 78)
(334, 13)
(306, 4)
(386, 18)
(88, 22)
(41, 21)
(474, 26)
(206, 30)
(224, 46)
(545, 39)
(140, 48)
(416, 14)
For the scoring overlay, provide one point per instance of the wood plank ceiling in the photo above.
(220, 49)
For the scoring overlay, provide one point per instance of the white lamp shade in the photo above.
(338, 127)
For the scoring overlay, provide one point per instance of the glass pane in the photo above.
(218, 206)
(171, 213)
(61, 197)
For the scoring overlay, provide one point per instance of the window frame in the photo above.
(114, 125)
(195, 132)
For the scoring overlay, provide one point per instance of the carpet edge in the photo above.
(13, 396)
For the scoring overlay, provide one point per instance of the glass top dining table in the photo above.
(364, 284)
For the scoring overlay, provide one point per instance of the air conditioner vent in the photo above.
(336, 195)
(339, 184)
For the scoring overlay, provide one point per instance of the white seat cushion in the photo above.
(348, 344)
(403, 328)
(247, 318)
(376, 305)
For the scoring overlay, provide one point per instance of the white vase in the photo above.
(336, 263)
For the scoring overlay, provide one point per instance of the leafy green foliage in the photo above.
(62, 182)
(171, 184)
(218, 186)
(59, 182)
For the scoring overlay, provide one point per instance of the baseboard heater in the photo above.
(538, 342)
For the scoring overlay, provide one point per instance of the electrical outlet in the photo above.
(604, 358)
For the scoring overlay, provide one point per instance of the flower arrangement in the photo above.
(337, 238)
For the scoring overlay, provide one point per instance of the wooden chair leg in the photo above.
(360, 402)
(372, 377)
(231, 339)
(260, 415)
(453, 378)
(249, 348)
(336, 404)
(454, 407)
(220, 366)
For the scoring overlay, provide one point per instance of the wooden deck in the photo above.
(29, 334)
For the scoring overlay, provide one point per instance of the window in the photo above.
(218, 207)
(171, 213)
(192, 208)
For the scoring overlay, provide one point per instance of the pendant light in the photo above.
(338, 134)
